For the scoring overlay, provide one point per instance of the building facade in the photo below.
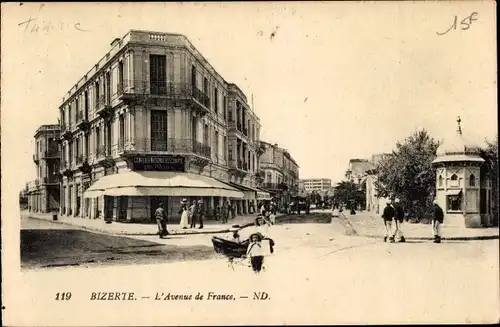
(374, 203)
(43, 192)
(279, 172)
(322, 185)
(154, 103)
(356, 171)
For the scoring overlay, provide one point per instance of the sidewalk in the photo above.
(119, 228)
(370, 225)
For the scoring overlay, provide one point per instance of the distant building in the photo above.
(43, 193)
(356, 171)
(374, 203)
(279, 172)
(316, 184)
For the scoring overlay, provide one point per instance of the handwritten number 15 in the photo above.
(464, 24)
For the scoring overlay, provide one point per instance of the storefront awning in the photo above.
(453, 192)
(249, 192)
(160, 183)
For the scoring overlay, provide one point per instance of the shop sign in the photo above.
(159, 163)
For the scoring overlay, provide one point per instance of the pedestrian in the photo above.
(399, 216)
(225, 212)
(161, 220)
(256, 252)
(200, 214)
(193, 212)
(388, 215)
(272, 214)
(437, 221)
(184, 212)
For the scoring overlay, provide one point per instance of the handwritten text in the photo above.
(464, 24)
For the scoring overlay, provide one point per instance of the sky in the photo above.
(330, 81)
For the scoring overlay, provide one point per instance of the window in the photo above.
(454, 202)
(216, 100)
(86, 145)
(440, 181)
(217, 145)
(96, 88)
(472, 180)
(225, 147)
(121, 138)
(98, 140)
(120, 76)
(158, 130)
(224, 110)
(86, 105)
(107, 88)
(158, 74)
(205, 135)
(193, 76)
(454, 180)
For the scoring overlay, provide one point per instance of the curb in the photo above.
(451, 238)
(219, 231)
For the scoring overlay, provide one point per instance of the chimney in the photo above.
(115, 41)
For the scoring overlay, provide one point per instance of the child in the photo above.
(256, 252)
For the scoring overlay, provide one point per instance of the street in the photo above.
(45, 244)
(347, 279)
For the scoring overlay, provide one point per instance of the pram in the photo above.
(234, 249)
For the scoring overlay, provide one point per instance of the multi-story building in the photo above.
(374, 202)
(279, 172)
(356, 172)
(154, 122)
(43, 193)
(316, 184)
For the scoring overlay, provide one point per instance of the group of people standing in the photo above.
(190, 216)
(396, 212)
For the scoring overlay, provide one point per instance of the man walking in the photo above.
(193, 212)
(437, 221)
(399, 216)
(388, 214)
(161, 220)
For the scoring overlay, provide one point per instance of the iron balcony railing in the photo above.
(80, 159)
(80, 116)
(102, 102)
(130, 88)
(103, 151)
(270, 186)
(173, 145)
(51, 180)
(51, 153)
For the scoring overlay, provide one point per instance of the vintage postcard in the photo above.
(249, 163)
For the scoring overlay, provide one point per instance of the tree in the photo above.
(348, 192)
(407, 174)
(490, 166)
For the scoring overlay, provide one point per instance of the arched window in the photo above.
(472, 180)
(454, 180)
(440, 181)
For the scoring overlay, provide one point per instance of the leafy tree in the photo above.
(348, 192)
(490, 156)
(407, 174)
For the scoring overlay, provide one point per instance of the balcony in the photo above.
(239, 167)
(103, 107)
(36, 159)
(66, 169)
(82, 122)
(174, 146)
(51, 154)
(158, 94)
(51, 180)
(66, 133)
(82, 164)
(104, 156)
(233, 126)
(270, 186)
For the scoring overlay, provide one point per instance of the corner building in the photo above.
(154, 111)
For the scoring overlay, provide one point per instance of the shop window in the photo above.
(472, 180)
(454, 202)
(454, 180)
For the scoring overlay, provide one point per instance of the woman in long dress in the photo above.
(184, 214)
